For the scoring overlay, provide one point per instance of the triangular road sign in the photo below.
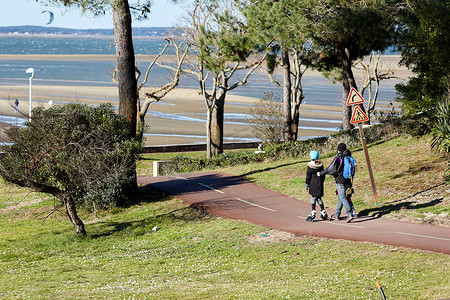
(358, 116)
(354, 97)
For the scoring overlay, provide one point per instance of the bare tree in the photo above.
(372, 78)
(267, 118)
(221, 53)
(296, 70)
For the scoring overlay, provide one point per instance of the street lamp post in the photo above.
(30, 70)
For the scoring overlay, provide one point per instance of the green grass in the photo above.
(196, 256)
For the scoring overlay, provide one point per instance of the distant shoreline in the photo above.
(76, 36)
(61, 32)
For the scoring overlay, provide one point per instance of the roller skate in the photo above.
(311, 217)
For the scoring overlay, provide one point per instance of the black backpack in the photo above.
(336, 166)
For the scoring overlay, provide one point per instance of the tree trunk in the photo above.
(208, 133)
(295, 123)
(217, 125)
(73, 216)
(125, 63)
(348, 81)
(287, 95)
(297, 94)
(126, 75)
(296, 111)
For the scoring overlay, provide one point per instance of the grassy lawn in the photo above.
(161, 249)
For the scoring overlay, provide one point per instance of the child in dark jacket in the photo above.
(314, 184)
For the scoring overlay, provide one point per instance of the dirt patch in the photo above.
(272, 236)
(22, 204)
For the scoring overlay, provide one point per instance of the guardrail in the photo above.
(197, 147)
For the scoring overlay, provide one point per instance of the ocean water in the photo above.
(74, 45)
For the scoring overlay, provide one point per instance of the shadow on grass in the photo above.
(413, 170)
(389, 208)
(272, 168)
(147, 194)
(153, 223)
(399, 204)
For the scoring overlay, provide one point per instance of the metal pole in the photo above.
(369, 166)
(30, 71)
(29, 106)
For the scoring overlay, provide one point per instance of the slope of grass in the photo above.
(161, 249)
(408, 180)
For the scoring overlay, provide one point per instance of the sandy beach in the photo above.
(179, 117)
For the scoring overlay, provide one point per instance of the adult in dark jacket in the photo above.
(348, 184)
(314, 185)
(336, 169)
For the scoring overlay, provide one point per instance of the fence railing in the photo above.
(197, 147)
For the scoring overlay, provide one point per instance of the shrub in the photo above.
(441, 129)
(82, 155)
(441, 132)
(267, 119)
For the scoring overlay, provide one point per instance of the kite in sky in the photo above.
(52, 16)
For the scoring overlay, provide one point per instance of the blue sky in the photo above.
(28, 12)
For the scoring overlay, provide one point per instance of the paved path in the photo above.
(235, 197)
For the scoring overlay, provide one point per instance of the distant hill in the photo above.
(42, 30)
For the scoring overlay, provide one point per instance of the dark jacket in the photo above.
(336, 168)
(315, 182)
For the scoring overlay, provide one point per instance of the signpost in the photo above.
(358, 117)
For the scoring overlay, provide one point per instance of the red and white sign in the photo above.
(354, 97)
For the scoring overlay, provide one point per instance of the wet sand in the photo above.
(179, 117)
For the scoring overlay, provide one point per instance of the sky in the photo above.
(28, 12)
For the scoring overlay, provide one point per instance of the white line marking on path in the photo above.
(179, 177)
(207, 186)
(255, 204)
(424, 236)
(333, 223)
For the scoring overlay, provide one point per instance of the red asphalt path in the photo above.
(236, 198)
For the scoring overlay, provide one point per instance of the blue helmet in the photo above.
(314, 154)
